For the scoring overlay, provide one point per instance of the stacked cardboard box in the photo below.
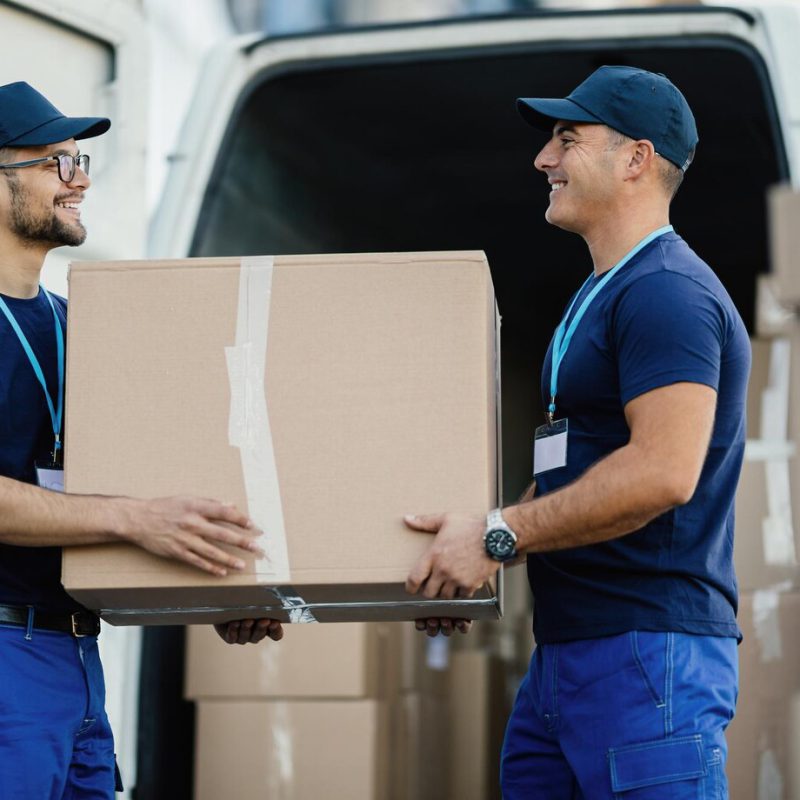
(311, 716)
(763, 737)
(452, 717)
(368, 710)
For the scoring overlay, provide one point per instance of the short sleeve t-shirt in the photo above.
(29, 575)
(663, 318)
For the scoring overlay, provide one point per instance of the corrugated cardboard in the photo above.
(784, 223)
(767, 510)
(420, 748)
(760, 744)
(292, 750)
(361, 660)
(381, 390)
(476, 722)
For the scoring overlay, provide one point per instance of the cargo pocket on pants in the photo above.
(677, 765)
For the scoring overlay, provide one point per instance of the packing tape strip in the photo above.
(766, 621)
(294, 605)
(764, 450)
(770, 780)
(248, 426)
(282, 779)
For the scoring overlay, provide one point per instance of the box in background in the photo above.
(763, 739)
(784, 227)
(347, 660)
(767, 512)
(295, 750)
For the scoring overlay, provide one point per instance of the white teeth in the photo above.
(67, 205)
(558, 185)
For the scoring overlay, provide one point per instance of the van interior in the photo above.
(426, 151)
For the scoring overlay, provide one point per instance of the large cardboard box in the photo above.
(292, 750)
(361, 660)
(326, 395)
(763, 742)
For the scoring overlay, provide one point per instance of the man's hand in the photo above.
(244, 631)
(456, 564)
(434, 625)
(188, 529)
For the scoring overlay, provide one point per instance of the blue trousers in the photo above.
(55, 740)
(639, 716)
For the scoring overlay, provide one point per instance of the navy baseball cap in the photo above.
(638, 103)
(28, 119)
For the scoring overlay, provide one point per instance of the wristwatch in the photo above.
(499, 540)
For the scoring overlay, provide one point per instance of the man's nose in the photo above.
(80, 180)
(546, 159)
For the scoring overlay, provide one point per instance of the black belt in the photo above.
(81, 623)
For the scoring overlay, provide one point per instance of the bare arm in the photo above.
(658, 469)
(34, 517)
(184, 528)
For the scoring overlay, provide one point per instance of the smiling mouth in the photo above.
(73, 208)
(557, 185)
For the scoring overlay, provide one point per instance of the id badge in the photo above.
(550, 447)
(50, 476)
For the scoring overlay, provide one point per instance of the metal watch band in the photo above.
(494, 519)
(496, 523)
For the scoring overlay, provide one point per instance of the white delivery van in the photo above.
(406, 137)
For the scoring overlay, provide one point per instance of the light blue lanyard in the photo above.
(564, 335)
(56, 413)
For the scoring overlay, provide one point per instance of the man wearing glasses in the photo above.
(55, 740)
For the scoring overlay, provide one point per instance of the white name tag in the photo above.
(50, 478)
(550, 447)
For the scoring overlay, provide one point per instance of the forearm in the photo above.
(618, 495)
(34, 517)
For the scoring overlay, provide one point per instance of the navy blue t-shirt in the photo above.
(29, 575)
(663, 318)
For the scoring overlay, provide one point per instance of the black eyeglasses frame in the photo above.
(80, 161)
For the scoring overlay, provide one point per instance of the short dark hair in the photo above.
(671, 175)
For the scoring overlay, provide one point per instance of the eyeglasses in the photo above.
(67, 164)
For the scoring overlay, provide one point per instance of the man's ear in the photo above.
(641, 157)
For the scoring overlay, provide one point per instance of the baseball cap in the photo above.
(28, 119)
(638, 103)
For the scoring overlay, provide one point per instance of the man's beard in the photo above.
(42, 227)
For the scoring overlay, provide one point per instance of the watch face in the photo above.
(500, 543)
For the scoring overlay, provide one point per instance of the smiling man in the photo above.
(627, 529)
(55, 740)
